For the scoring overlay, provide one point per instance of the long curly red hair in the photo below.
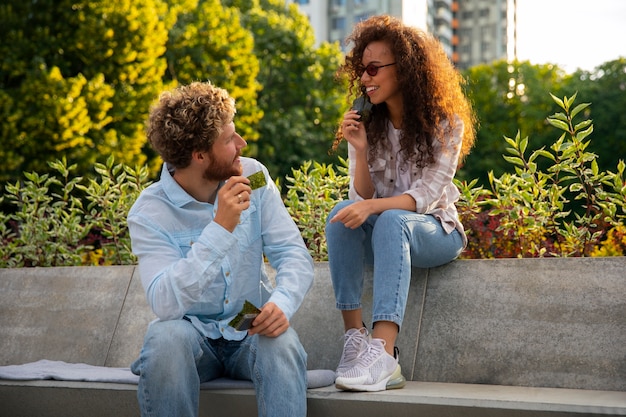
(431, 88)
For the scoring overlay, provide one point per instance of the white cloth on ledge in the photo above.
(64, 371)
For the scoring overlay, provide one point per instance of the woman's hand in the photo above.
(354, 131)
(354, 215)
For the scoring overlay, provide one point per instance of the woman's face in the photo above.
(383, 86)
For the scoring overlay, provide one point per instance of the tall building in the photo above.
(332, 20)
(471, 31)
(480, 32)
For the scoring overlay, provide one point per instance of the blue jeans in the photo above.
(176, 359)
(392, 241)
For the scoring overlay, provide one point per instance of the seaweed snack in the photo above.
(257, 180)
(243, 320)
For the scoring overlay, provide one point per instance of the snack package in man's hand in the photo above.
(243, 320)
(257, 180)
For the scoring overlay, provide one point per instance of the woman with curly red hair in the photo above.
(403, 155)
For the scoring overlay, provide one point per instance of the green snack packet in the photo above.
(243, 320)
(257, 180)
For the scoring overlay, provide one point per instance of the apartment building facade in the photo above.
(472, 32)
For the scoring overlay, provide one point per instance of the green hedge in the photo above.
(569, 209)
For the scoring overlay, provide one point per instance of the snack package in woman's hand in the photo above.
(363, 106)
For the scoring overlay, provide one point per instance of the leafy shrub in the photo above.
(614, 243)
(312, 194)
(568, 209)
(563, 211)
(59, 221)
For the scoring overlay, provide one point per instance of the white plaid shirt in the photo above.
(431, 187)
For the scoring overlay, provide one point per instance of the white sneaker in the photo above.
(374, 369)
(355, 342)
(396, 380)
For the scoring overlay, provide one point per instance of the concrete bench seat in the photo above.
(432, 399)
(514, 337)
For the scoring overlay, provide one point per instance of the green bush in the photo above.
(569, 209)
(565, 210)
(312, 194)
(61, 221)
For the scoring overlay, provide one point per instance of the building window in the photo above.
(302, 1)
(339, 23)
(466, 33)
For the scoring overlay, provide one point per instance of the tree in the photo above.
(301, 102)
(207, 42)
(76, 80)
(509, 98)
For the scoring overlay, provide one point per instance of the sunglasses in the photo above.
(372, 69)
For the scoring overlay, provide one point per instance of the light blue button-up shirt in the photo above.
(191, 266)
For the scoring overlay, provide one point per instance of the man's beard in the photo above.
(221, 171)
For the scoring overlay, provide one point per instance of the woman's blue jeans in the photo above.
(392, 241)
(176, 359)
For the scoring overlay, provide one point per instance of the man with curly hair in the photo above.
(201, 234)
(405, 140)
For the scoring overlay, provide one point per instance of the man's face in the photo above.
(224, 155)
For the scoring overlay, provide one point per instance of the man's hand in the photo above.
(270, 322)
(233, 198)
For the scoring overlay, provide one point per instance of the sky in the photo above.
(571, 33)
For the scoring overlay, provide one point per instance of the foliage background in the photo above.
(569, 209)
(77, 80)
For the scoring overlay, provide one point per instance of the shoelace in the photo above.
(373, 351)
(353, 343)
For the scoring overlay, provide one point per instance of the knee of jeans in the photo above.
(391, 219)
(287, 345)
(169, 338)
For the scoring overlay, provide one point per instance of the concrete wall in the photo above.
(524, 322)
(558, 322)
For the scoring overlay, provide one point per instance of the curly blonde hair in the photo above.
(187, 119)
(431, 87)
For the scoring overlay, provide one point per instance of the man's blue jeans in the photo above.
(176, 359)
(393, 241)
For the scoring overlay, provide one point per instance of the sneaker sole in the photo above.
(393, 381)
(396, 380)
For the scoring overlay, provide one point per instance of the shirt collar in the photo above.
(175, 193)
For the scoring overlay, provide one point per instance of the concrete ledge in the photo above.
(507, 337)
(551, 322)
(433, 399)
(446, 399)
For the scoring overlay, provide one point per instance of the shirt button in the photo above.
(227, 274)
(225, 301)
